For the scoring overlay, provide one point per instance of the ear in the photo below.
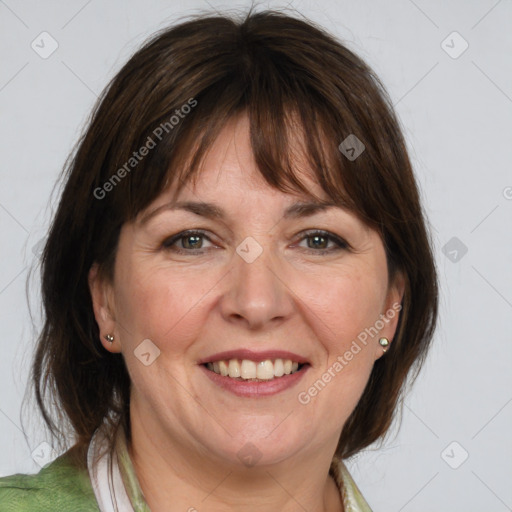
(103, 305)
(391, 312)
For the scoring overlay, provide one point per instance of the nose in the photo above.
(257, 294)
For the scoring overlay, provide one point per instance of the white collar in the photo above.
(108, 485)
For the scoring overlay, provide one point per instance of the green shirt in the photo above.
(59, 486)
(65, 485)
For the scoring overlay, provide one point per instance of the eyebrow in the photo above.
(297, 210)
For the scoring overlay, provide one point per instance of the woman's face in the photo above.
(255, 284)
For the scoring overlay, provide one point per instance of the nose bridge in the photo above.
(256, 291)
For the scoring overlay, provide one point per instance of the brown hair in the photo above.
(270, 66)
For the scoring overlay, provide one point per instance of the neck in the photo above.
(172, 473)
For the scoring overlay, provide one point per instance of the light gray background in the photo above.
(457, 117)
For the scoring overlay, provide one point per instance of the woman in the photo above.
(237, 281)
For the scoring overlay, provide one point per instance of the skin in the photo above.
(186, 430)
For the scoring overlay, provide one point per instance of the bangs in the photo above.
(296, 125)
(283, 149)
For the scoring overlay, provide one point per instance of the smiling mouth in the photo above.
(247, 370)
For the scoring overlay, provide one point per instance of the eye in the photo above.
(192, 242)
(318, 241)
(186, 242)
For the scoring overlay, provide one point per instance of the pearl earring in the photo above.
(384, 343)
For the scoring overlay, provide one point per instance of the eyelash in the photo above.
(341, 244)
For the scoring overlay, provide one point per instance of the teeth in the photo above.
(233, 369)
(224, 370)
(265, 370)
(278, 368)
(251, 370)
(247, 369)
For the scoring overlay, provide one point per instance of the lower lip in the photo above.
(256, 389)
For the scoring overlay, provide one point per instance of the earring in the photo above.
(109, 338)
(384, 343)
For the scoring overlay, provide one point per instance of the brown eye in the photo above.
(190, 242)
(318, 242)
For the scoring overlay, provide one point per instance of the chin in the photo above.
(261, 443)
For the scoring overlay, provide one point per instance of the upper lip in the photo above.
(253, 356)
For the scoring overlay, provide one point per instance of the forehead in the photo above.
(240, 172)
(230, 165)
(228, 177)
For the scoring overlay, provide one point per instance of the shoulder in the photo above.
(63, 484)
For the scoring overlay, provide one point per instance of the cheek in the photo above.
(350, 305)
(161, 304)
(344, 304)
